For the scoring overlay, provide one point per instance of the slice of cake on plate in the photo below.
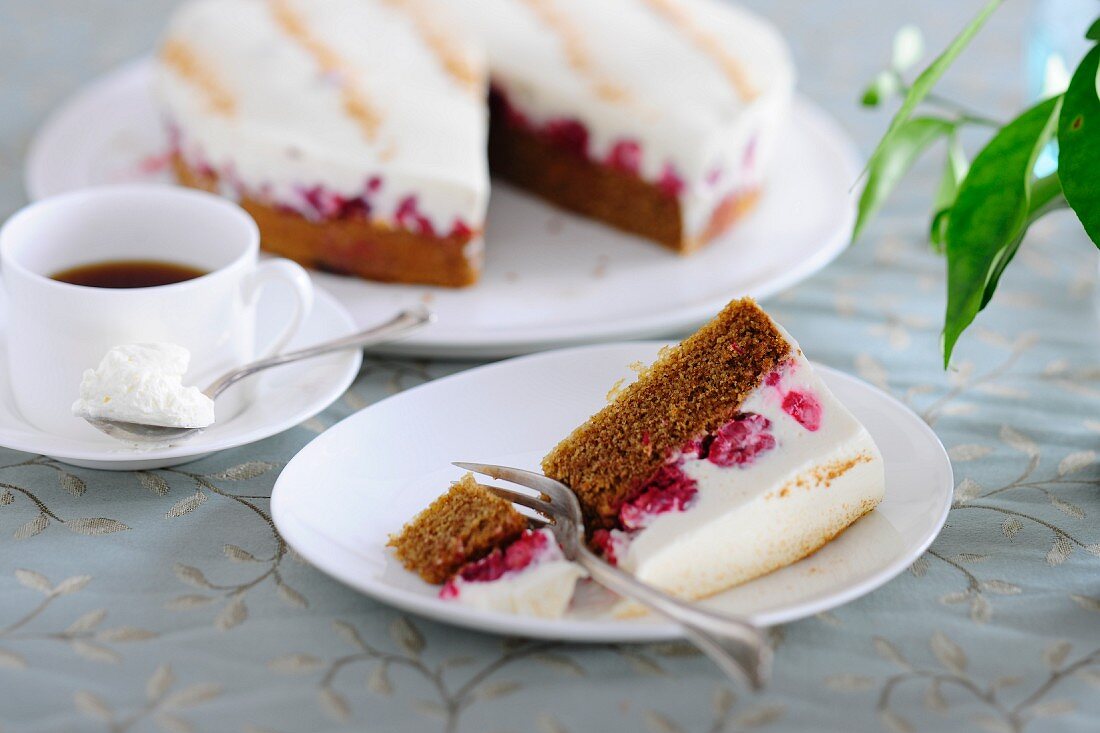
(658, 117)
(727, 459)
(353, 131)
(480, 549)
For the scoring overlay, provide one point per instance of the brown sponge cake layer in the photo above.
(351, 246)
(463, 525)
(692, 389)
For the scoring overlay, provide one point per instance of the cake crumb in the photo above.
(616, 388)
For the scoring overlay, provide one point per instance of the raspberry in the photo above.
(525, 550)
(515, 556)
(488, 568)
(461, 230)
(804, 408)
(670, 489)
(670, 182)
(626, 155)
(568, 135)
(609, 544)
(409, 217)
(740, 441)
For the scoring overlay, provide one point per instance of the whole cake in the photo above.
(725, 460)
(480, 549)
(355, 131)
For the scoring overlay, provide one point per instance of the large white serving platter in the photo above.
(551, 278)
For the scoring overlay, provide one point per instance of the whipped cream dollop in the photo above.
(143, 383)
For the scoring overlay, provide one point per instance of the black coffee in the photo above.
(128, 274)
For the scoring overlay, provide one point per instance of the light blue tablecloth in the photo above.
(165, 601)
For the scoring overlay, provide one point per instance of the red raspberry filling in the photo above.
(804, 408)
(669, 490)
(568, 135)
(670, 182)
(461, 230)
(626, 156)
(608, 543)
(409, 217)
(740, 441)
(515, 556)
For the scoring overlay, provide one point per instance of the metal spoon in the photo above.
(399, 325)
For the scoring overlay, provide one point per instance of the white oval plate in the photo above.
(339, 499)
(283, 397)
(551, 278)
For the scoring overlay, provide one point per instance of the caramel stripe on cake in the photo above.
(708, 43)
(576, 51)
(185, 62)
(690, 390)
(457, 65)
(356, 103)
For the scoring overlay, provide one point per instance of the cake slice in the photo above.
(479, 547)
(727, 459)
(353, 131)
(658, 117)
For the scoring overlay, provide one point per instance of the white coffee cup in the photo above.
(56, 330)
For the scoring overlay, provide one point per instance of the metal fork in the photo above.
(736, 646)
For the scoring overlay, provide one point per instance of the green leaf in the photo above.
(990, 216)
(1093, 33)
(912, 139)
(1079, 145)
(928, 78)
(954, 171)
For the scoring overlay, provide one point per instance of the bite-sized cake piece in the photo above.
(656, 116)
(353, 131)
(479, 547)
(465, 524)
(727, 459)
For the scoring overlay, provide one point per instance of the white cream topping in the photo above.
(331, 93)
(749, 520)
(143, 383)
(544, 588)
(670, 88)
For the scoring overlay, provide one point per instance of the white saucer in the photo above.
(338, 500)
(283, 398)
(551, 279)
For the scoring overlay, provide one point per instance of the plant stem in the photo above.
(965, 113)
(1046, 196)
